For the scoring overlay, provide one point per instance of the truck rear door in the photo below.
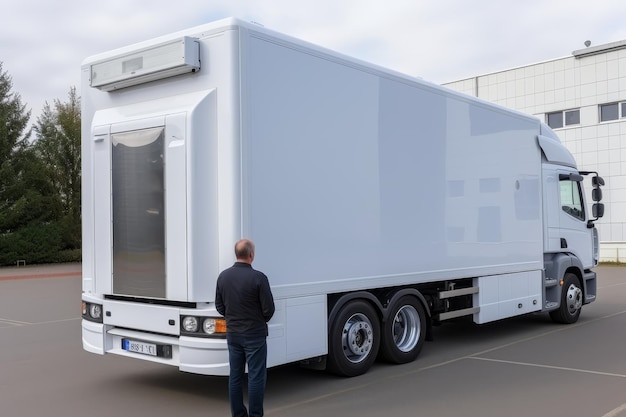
(140, 207)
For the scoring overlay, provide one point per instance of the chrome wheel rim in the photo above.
(357, 338)
(406, 328)
(574, 299)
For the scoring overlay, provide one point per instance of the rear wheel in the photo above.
(354, 339)
(404, 333)
(571, 301)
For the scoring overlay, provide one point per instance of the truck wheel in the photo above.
(404, 333)
(571, 301)
(354, 339)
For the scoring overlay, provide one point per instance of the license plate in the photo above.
(151, 349)
(139, 347)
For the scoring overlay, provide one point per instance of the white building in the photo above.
(583, 98)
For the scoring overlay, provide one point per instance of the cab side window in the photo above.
(571, 199)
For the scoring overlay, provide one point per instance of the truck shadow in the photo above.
(454, 338)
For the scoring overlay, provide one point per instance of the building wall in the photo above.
(584, 81)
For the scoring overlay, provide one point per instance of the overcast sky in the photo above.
(43, 42)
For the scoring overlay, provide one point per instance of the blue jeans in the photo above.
(253, 351)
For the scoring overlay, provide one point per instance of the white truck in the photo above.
(380, 204)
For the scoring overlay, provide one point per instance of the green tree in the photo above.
(13, 144)
(58, 148)
(13, 120)
(28, 206)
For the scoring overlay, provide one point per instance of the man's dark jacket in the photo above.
(244, 298)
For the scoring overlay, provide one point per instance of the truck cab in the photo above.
(570, 236)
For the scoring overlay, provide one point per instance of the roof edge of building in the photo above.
(600, 49)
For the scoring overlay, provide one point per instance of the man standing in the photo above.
(244, 298)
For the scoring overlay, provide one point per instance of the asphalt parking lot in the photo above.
(519, 367)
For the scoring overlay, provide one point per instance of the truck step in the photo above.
(551, 304)
(458, 293)
(551, 282)
(458, 313)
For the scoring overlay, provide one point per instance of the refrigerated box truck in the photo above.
(380, 204)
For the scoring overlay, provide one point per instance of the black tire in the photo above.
(354, 339)
(404, 332)
(571, 301)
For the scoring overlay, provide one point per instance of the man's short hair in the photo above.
(244, 249)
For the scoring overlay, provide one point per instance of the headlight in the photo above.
(92, 312)
(197, 326)
(95, 311)
(190, 324)
(212, 326)
(209, 326)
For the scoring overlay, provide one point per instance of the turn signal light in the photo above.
(213, 326)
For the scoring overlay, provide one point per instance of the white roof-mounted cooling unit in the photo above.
(165, 60)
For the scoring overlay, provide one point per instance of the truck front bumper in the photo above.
(206, 356)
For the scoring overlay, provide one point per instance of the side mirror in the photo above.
(597, 181)
(571, 177)
(597, 210)
(596, 194)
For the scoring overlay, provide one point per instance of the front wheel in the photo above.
(354, 339)
(571, 301)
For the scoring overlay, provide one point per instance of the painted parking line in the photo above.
(618, 412)
(14, 322)
(559, 368)
(26, 323)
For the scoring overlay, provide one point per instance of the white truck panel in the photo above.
(152, 318)
(380, 181)
(176, 205)
(101, 208)
(297, 331)
(507, 295)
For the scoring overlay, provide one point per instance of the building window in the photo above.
(572, 117)
(558, 119)
(609, 112)
(555, 120)
(612, 111)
